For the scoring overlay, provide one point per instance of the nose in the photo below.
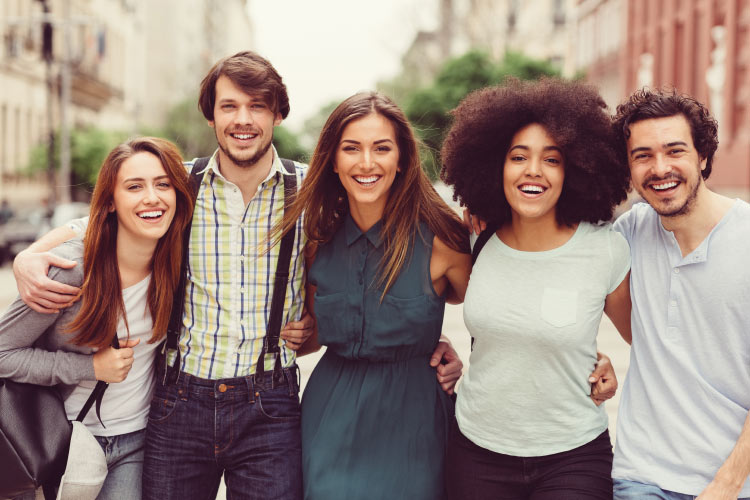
(534, 167)
(661, 165)
(367, 159)
(150, 197)
(244, 115)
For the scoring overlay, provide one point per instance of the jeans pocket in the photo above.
(278, 405)
(163, 403)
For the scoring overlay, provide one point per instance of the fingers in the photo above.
(294, 346)
(130, 343)
(57, 261)
(467, 220)
(438, 354)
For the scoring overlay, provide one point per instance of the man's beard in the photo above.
(248, 162)
(683, 209)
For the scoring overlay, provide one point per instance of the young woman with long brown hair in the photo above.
(130, 257)
(385, 253)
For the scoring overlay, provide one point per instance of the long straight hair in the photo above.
(411, 198)
(101, 293)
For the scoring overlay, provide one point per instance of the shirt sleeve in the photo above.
(79, 226)
(22, 332)
(619, 250)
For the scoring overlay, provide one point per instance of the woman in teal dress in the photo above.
(386, 252)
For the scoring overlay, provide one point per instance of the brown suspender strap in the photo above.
(178, 301)
(281, 279)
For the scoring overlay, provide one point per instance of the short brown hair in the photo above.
(250, 72)
(645, 104)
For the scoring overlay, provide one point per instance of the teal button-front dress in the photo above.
(374, 418)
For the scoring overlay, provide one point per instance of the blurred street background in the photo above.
(79, 76)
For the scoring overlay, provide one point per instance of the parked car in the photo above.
(24, 228)
(20, 231)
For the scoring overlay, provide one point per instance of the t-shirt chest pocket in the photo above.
(559, 306)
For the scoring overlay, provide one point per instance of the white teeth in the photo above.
(150, 215)
(366, 180)
(532, 189)
(242, 136)
(661, 187)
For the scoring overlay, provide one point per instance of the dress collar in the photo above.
(353, 232)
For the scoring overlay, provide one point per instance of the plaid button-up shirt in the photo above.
(230, 278)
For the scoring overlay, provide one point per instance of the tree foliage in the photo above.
(428, 108)
(89, 146)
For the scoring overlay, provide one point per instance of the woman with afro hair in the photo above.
(538, 162)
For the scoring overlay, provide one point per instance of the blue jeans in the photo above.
(124, 465)
(249, 431)
(124, 455)
(632, 490)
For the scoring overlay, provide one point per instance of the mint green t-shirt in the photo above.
(534, 317)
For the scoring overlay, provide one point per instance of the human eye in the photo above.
(228, 106)
(349, 148)
(554, 161)
(517, 157)
(676, 151)
(258, 105)
(133, 187)
(164, 184)
(383, 149)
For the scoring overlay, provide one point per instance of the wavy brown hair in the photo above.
(250, 72)
(411, 198)
(101, 293)
(597, 177)
(645, 104)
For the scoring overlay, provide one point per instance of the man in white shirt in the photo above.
(683, 428)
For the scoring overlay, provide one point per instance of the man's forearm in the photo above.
(55, 237)
(736, 468)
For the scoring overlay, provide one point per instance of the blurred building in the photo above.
(129, 62)
(542, 29)
(701, 47)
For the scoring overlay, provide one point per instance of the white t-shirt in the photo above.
(534, 317)
(687, 393)
(125, 405)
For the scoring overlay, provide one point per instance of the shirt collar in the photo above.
(353, 232)
(276, 166)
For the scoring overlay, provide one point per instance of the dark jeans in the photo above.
(249, 431)
(475, 473)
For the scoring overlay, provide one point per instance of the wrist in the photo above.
(729, 479)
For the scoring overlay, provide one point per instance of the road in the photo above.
(609, 342)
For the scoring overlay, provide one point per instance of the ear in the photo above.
(335, 168)
(211, 124)
(277, 120)
(111, 207)
(704, 161)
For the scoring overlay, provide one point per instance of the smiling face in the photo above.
(664, 164)
(143, 199)
(533, 173)
(367, 162)
(243, 124)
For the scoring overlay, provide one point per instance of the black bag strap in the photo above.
(178, 300)
(482, 240)
(281, 279)
(97, 394)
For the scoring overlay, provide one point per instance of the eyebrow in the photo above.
(379, 141)
(667, 145)
(141, 179)
(546, 148)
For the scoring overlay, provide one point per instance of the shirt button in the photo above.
(222, 387)
(677, 270)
